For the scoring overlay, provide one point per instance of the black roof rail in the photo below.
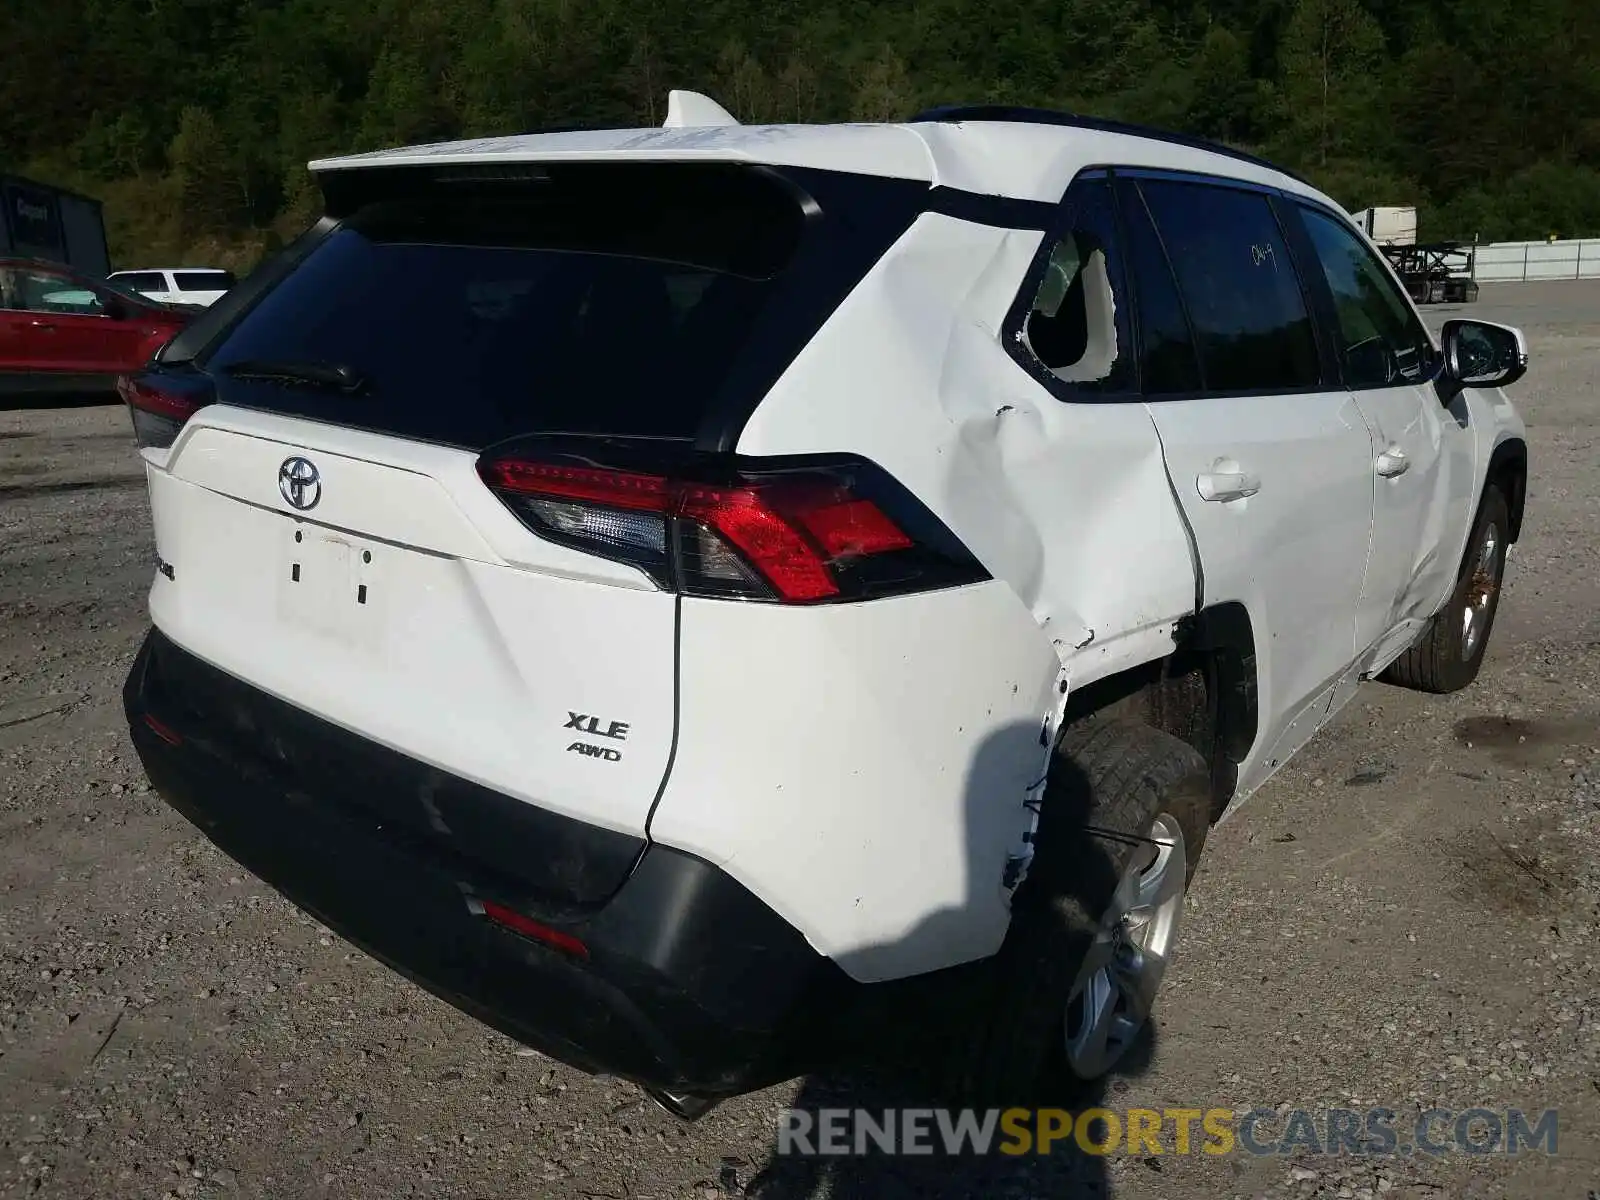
(1022, 115)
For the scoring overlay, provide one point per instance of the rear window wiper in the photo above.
(333, 376)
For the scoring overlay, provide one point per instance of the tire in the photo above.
(1442, 659)
(1116, 776)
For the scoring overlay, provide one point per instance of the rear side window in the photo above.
(1239, 286)
(1381, 341)
(203, 281)
(141, 281)
(1077, 326)
(597, 299)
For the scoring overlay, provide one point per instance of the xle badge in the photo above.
(584, 723)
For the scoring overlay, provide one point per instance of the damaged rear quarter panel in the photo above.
(863, 768)
(1069, 508)
(1069, 504)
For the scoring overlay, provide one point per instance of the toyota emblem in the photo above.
(300, 483)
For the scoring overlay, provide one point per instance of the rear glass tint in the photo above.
(142, 281)
(203, 281)
(603, 299)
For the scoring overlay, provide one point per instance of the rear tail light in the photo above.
(160, 404)
(802, 533)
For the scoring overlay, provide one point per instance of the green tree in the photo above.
(1228, 101)
(116, 148)
(797, 90)
(208, 202)
(743, 83)
(403, 103)
(1331, 55)
(194, 119)
(310, 125)
(884, 90)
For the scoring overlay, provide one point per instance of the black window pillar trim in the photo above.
(841, 243)
(837, 247)
(1118, 188)
(1003, 212)
(1314, 289)
(195, 343)
(1135, 195)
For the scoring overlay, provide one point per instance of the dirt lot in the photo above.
(1406, 917)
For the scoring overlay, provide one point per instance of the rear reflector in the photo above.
(511, 919)
(160, 405)
(798, 535)
(162, 730)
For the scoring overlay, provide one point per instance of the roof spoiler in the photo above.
(686, 109)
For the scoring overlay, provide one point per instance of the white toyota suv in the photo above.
(665, 590)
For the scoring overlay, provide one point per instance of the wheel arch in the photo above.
(1508, 470)
(1204, 692)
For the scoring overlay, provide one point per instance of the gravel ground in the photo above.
(1406, 917)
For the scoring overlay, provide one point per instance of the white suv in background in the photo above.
(667, 591)
(196, 286)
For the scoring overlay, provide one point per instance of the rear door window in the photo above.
(595, 300)
(1243, 295)
(203, 281)
(141, 281)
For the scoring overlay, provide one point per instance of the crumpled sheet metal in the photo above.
(1068, 504)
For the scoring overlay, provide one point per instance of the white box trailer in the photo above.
(51, 223)
(1390, 226)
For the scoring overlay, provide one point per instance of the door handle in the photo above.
(1227, 485)
(1392, 462)
(42, 324)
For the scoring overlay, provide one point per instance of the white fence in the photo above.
(1521, 261)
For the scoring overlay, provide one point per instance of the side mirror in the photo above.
(114, 307)
(1483, 355)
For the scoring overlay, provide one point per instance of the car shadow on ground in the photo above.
(22, 401)
(1065, 1171)
(899, 1039)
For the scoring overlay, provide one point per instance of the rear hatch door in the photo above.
(327, 535)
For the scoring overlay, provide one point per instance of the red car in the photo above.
(65, 332)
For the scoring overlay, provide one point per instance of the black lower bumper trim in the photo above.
(691, 984)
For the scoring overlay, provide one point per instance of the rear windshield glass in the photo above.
(203, 281)
(603, 299)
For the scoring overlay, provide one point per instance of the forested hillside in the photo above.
(193, 119)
